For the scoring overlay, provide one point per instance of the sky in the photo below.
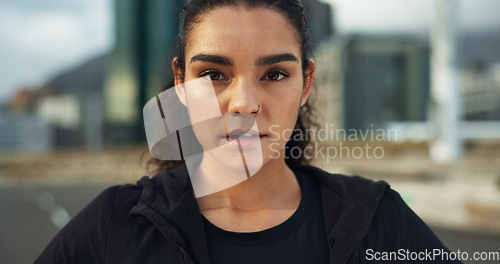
(399, 16)
(41, 38)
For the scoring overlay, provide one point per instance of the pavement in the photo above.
(31, 215)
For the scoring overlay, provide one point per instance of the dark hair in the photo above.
(293, 11)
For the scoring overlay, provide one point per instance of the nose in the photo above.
(242, 98)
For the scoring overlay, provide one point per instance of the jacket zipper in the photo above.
(186, 259)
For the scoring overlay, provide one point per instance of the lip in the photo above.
(243, 139)
(240, 132)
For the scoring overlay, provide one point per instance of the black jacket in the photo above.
(158, 221)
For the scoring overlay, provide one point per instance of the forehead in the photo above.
(235, 29)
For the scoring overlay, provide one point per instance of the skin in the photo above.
(242, 81)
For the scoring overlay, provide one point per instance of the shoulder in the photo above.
(112, 201)
(394, 217)
(369, 212)
(396, 226)
(387, 220)
(343, 186)
(85, 236)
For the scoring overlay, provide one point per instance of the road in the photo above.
(30, 217)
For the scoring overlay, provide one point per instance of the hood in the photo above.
(168, 203)
(349, 204)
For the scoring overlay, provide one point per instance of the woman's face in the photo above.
(252, 57)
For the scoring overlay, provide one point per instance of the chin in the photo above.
(231, 161)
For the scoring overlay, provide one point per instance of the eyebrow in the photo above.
(267, 60)
(216, 59)
(273, 59)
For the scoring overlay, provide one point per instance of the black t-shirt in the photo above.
(300, 239)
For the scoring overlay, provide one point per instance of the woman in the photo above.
(253, 56)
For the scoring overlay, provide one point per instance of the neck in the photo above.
(274, 186)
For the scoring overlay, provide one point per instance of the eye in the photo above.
(212, 75)
(275, 76)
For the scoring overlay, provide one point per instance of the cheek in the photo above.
(283, 118)
(287, 90)
(201, 100)
(286, 104)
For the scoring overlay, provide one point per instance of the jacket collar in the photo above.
(167, 202)
(348, 202)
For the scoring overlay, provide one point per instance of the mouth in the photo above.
(241, 139)
(241, 134)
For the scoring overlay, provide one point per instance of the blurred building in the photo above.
(20, 129)
(481, 90)
(145, 34)
(371, 80)
(22, 101)
(320, 19)
(384, 81)
(479, 61)
(66, 111)
(24, 133)
(73, 103)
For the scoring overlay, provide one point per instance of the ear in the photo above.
(308, 82)
(179, 80)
